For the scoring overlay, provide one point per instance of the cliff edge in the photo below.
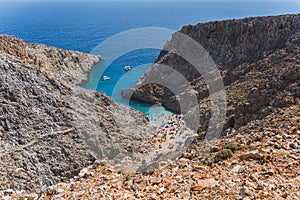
(50, 128)
(256, 158)
(258, 59)
(70, 66)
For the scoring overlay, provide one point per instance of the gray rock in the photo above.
(84, 173)
(59, 190)
(235, 170)
(160, 190)
(8, 191)
(52, 129)
(258, 58)
(295, 145)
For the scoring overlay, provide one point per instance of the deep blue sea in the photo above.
(83, 25)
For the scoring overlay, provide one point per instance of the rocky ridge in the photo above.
(70, 66)
(258, 59)
(257, 157)
(50, 128)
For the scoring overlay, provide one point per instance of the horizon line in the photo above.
(141, 1)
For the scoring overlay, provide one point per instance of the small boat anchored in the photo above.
(105, 78)
(127, 68)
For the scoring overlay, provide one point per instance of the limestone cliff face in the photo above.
(258, 59)
(50, 128)
(70, 66)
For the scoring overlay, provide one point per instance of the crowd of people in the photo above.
(171, 132)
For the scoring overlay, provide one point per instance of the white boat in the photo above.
(127, 68)
(105, 78)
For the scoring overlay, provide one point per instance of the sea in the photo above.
(86, 25)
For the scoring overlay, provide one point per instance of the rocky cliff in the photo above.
(258, 160)
(50, 128)
(71, 66)
(258, 59)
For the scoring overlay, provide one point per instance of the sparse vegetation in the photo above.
(234, 147)
(223, 155)
(228, 151)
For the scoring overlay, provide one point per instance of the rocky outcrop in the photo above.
(70, 66)
(258, 158)
(264, 164)
(50, 129)
(258, 59)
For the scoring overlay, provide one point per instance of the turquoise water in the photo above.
(83, 25)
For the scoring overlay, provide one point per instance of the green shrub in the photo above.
(234, 147)
(223, 155)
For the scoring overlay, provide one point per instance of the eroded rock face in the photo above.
(39, 146)
(258, 59)
(50, 128)
(70, 66)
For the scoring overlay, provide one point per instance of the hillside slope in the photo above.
(258, 155)
(264, 164)
(66, 65)
(258, 59)
(50, 128)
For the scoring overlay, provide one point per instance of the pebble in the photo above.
(8, 191)
(84, 173)
(235, 170)
(59, 190)
(251, 155)
(202, 184)
(294, 145)
(161, 190)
